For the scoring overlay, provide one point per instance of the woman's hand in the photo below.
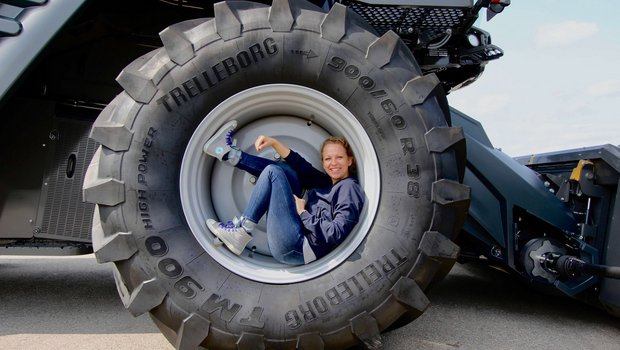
(265, 141)
(300, 204)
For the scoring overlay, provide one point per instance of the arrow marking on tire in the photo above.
(309, 54)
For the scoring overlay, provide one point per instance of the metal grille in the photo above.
(384, 18)
(65, 215)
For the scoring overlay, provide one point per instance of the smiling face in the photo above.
(336, 161)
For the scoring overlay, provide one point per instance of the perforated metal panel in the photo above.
(62, 213)
(397, 18)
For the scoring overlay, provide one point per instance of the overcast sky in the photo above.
(558, 85)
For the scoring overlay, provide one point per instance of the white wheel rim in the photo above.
(288, 107)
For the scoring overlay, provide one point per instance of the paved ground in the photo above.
(71, 303)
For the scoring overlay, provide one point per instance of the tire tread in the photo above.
(366, 329)
(113, 126)
(334, 25)
(381, 51)
(193, 331)
(178, 40)
(418, 89)
(436, 245)
(310, 341)
(140, 78)
(101, 189)
(251, 341)
(227, 25)
(439, 139)
(450, 193)
(280, 16)
(409, 293)
(146, 296)
(115, 247)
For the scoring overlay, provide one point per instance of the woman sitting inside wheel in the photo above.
(298, 231)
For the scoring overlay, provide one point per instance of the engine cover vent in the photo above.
(406, 20)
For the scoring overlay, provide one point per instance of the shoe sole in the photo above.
(228, 126)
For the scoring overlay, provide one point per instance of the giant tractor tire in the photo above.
(292, 71)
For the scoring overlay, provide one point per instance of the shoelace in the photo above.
(230, 224)
(227, 225)
(229, 140)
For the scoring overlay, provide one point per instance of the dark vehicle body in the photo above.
(519, 204)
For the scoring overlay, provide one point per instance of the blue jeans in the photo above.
(273, 195)
(255, 165)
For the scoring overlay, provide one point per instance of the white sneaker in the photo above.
(233, 236)
(220, 143)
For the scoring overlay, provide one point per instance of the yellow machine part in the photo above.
(575, 175)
